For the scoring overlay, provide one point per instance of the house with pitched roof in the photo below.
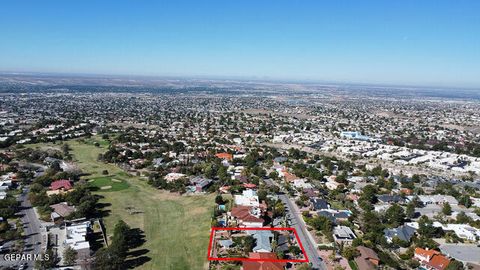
(368, 259)
(225, 156)
(263, 265)
(247, 216)
(263, 240)
(431, 259)
(61, 211)
(404, 233)
(318, 204)
(60, 187)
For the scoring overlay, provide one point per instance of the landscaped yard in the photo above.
(177, 228)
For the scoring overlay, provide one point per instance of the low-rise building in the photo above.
(343, 234)
(248, 198)
(368, 259)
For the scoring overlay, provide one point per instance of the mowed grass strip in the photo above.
(177, 228)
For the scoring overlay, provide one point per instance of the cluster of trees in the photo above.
(245, 243)
(446, 188)
(37, 155)
(377, 172)
(8, 208)
(81, 197)
(159, 181)
(113, 257)
(321, 224)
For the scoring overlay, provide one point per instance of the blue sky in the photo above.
(402, 42)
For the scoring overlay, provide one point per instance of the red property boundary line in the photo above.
(212, 233)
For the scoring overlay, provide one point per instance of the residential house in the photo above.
(225, 243)
(225, 156)
(464, 231)
(404, 233)
(263, 240)
(335, 216)
(390, 199)
(263, 265)
(60, 187)
(200, 183)
(331, 184)
(343, 234)
(247, 216)
(76, 238)
(318, 204)
(436, 199)
(301, 184)
(431, 259)
(174, 176)
(61, 211)
(248, 198)
(368, 259)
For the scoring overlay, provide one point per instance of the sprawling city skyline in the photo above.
(409, 43)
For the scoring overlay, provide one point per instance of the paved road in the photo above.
(303, 234)
(300, 226)
(33, 231)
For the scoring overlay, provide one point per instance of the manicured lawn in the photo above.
(108, 183)
(176, 228)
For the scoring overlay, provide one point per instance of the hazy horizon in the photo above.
(428, 43)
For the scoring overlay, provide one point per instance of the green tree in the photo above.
(410, 210)
(455, 265)
(119, 243)
(369, 194)
(106, 259)
(350, 253)
(279, 209)
(447, 209)
(219, 199)
(49, 260)
(425, 227)
(465, 201)
(69, 256)
(248, 243)
(395, 215)
(273, 175)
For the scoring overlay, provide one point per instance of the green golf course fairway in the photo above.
(176, 227)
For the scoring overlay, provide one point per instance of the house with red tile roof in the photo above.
(249, 185)
(438, 262)
(424, 255)
(63, 184)
(263, 265)
(226, 156)
(431, 259)
(246, 216)
(60, 187)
